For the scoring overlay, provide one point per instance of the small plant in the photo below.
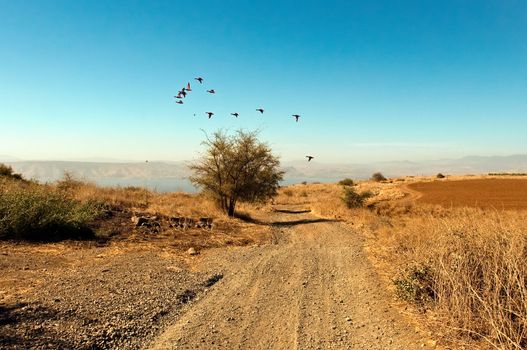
(304, 182)
(416, 285)
(303, 194)
(68, 182)
(440, 176)
(378, 177)
(353, 199)
(346, 182)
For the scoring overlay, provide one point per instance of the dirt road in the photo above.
(312, 289)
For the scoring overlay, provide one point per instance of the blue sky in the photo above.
(383, 80)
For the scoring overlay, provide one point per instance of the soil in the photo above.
(495, 193)
(309, 286)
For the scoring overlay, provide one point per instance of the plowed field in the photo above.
(483, 193)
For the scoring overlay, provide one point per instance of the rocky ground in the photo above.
(101, 300)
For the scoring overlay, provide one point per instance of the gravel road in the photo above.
(314, 288)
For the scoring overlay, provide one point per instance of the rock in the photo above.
(192, 251)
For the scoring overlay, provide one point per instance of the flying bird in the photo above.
(200, 79)
(183, 93)
(178, 95)
(211, 91)
(309, 158)
(235, 114)
(296, 116)
(188, 87)
(210, 114)
(260, 110)
(179, 102)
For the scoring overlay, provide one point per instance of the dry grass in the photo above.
(467, 267)
(139, 199)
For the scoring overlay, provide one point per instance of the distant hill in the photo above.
(137, 173)
(48, 171)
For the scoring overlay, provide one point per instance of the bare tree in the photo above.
(237, 168)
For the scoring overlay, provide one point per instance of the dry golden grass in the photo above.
(466, 266)
(139, 199)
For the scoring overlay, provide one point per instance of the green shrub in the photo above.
(353, 199)
(378, 177)
(41, 214)
(346, 182)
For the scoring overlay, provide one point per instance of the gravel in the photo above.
(109, 302)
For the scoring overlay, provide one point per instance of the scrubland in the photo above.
(460, 267)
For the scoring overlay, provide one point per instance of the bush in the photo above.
(440, 176)
(346, 182)
(41, 214)
(7, 171)
(378, 177)
(69, 183)
(353, 199)
(416, 285)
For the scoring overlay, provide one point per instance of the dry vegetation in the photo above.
(68, 207)
(464, 269)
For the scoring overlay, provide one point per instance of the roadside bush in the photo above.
(416, 284)
(440, 176)
(346, 182)
(41, 214)
(378, 177)
(353, 199)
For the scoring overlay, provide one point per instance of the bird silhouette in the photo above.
(296, 116)
(211, 91)
(179, 102)
(260, 110)
(235, 114)
(178, 95)
(188, 87)
(210, 114)
(200, 79)
(309, 158)
(183, 93)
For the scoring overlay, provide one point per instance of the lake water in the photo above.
(182, 185)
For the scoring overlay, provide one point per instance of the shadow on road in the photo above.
(247, 218)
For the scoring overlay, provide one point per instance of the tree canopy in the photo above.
(237, 168)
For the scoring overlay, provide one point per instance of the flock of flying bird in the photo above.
(184, 92)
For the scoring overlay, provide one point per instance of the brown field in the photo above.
(491, 193)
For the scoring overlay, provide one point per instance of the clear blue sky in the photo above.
(373, 80)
